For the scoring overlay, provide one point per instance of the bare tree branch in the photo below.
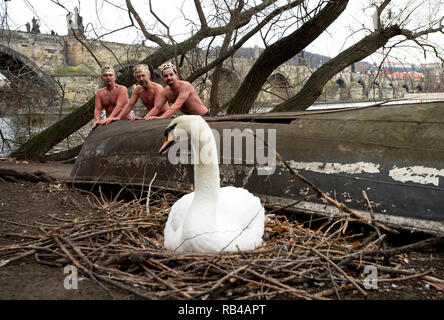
(145, 32)
(200, 13)
(244, 39)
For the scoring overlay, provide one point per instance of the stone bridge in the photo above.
(67, 65)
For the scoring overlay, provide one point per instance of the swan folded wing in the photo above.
(240, 212)
(173, 228)
(238, 207)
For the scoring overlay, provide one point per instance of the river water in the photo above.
(17, 129)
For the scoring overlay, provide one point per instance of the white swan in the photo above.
(211, 218)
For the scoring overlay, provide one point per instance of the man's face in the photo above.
(169, 76)
(142, 78)
(108, 78)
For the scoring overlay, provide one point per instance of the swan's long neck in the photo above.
(206, 167)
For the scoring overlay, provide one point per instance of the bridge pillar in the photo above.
(73, 52)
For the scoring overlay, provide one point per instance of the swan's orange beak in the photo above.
(169, 141)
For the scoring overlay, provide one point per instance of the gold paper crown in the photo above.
(141, 68)
(107, 69)
(167, 66)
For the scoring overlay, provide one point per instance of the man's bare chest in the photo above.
(147, 97)
(109, 97)
(172, 96)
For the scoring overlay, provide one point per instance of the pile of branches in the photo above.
(120, 244)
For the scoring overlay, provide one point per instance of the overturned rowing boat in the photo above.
(395, 153)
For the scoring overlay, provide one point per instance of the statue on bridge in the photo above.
(35, 26)
(70, 23)
(75, 23)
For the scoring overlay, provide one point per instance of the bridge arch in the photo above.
(277, 88)
(341, 83)
(376, 90)
(388, 90)
(15, 64)
(362, 83)
(364, 88)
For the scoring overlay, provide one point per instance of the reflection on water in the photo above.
(17, 129)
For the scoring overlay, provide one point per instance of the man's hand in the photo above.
(96, 123)
(135, 118)
(109, 120)
(151, 117)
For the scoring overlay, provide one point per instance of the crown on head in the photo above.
(107, 69)
(167, 66)
(141, 68)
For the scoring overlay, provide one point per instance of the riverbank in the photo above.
(59, 171)
(24, 208)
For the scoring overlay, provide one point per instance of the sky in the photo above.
(106, 17)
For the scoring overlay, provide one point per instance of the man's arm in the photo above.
(183, 96)
(122, 100)
(181, 99)
(97, 110)
(130, 104)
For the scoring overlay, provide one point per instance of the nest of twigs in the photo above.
(120, 243)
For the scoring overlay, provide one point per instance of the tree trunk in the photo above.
(65, 155)
(280, 52)
(214, 92)
(313, 88)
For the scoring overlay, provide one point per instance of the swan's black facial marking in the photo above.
(169, 129)
(170, 138)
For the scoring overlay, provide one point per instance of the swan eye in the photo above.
(169, 129)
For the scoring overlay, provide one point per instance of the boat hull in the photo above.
(394, 153)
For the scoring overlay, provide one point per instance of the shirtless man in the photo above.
(111, 98)
(181, 93)
(147, 91)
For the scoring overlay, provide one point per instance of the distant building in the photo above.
(399, 66)
(406, 75)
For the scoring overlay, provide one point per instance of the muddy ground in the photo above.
(24, 205)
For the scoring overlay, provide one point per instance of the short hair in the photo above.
(107, 69)
(141, 68)
(168, 66)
